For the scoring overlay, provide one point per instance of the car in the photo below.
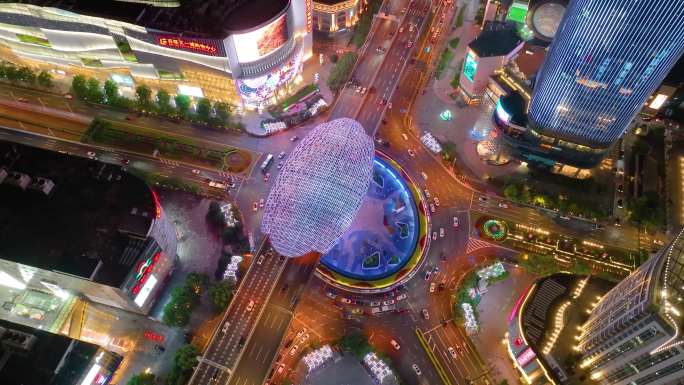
(425, 313)
(389, 302)
(482, 199)
(331, 295)
(68, 96)
(261, 203)
(266, 176)
(280, 369)
(242, 340)
(305, 337)
(617, 222)
(294, 350)
(404, 136)
(401, 29)
(427, 193)
(382, 102)
(224, 330)
(389, 105)
(294, 138)
(441, 232)
(432, 208)
(410, 44)
(441, 286)
(620, 188)
(432, 287)
(411, 153)
(91, 155)
(402, 296)
(452, 352)
(260, 260)
(395, 344)
(436, 269)
(436, 201)
(416, 369)
(281, 155)
(363, 90)
(427, 275)
(455, 221)
(23, 100)
(619, 203)
(460, 349)
(358, 89)
(403, 10)
(300, 333)
(424, 175)
(250, 306)
(375, 303)
(280, 165)
(255, 206)
(503, 205)
(345, 300)
(125, 161)
(434, 235)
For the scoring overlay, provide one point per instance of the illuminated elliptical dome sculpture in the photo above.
(319, 189)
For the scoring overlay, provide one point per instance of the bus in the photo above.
(267, 163)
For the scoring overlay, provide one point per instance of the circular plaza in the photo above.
(386, 239)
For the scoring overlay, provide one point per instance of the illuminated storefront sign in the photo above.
(199, 46)
(525, 357)
(144, 271)
(254, 45)
(470, 66)
(150, 283)
(92, 373)
(501, 113)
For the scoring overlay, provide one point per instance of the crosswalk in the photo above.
(477, 244)
(169, 162)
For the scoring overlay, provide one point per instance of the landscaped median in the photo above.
(431, 356)
(167, 145)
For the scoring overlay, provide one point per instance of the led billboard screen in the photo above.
(470, 66)
(202, 46)
(517, 12)
(256, 91)
(253, 45)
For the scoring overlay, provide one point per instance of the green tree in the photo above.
(177, 311)
(163, 102)
(186, 357)
(143, 96)
(27, 75)
(142, 379)
(182, 105)
(204, 109)
(223, 113)
(581, 268)
(45, 79)
(356, 343)
(511, 192)
(221, 295)
(94, 93)
(449, 151)
(340, 72)
(197, 283)
(79, 86)
(111, 91)
(334, 58)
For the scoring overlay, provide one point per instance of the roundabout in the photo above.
(386, 240)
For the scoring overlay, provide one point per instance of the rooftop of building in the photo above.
(94, 213)
(343, 370)
(41, 363)
(539, 315)
(198, 18)
(529, 60)
(496, 39)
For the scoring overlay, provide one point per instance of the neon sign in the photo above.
(185, 44)
(526, 356)
(157, 204)
(144, 270)
(309, 18)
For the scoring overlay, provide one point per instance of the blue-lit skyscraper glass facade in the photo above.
(607, 58)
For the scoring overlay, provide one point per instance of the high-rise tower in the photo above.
(606, 59)
(634, 335)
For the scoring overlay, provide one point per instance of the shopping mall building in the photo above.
(243, 51)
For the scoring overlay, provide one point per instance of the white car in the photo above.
(402, 296)
(255, 206)
(261, 203)
(300, 333)
(281, 155)
(224, 330)
(404, 136)
(358, 89)
(260, 260)
(363, 90)
(425, 313)
(455, 221)
(376, 303)
(436, 201)
(195, 171)
(411, 153)
(305, 337)
(452, 352)
(434, 235)
(503, 205)
(416, 369)
(424, 175)
(250, 306)
(92, 155)
(294, 350)
(395, 344)
(389, 302)
(432, 287)
(482, 199)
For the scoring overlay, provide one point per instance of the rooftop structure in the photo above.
(634, 334)
(199, 18)
(319, 189)
(496, 39)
